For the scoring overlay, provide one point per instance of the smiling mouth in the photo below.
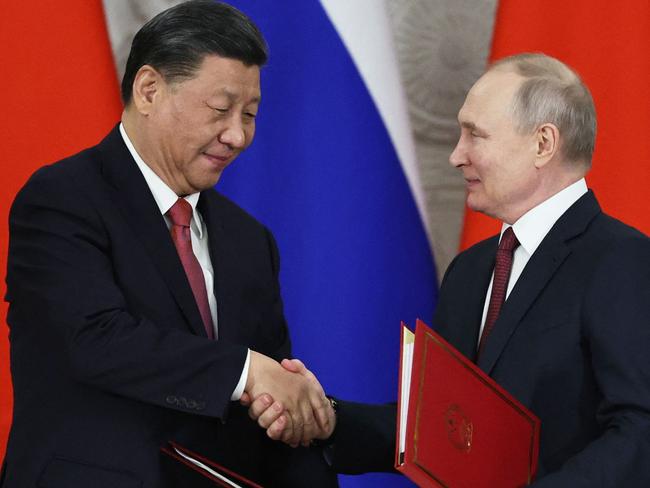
(218, 160)
(217, 157)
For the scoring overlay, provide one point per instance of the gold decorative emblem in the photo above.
(459, 428)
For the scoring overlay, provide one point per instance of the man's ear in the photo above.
(548, 144)
(147, 85)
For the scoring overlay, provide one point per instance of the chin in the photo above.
(207, 182)
(481, 207)
(474, 203)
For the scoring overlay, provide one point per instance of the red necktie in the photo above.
(180, 215)
(502, 270)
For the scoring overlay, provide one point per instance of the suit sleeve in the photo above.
(66, 301)
(364, 439)
(616, 328)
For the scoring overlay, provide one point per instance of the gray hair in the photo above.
(553, 93)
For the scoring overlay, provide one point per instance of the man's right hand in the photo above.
(272, 415)
(292, 407)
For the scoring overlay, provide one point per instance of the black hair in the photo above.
(175, 41)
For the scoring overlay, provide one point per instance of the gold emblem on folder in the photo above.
(459, 428)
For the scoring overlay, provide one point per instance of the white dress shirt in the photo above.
(530, 229)
(165, 197)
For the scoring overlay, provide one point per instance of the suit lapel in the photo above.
(539, 270)
(134, 199)
(223, 255)
(469, 312)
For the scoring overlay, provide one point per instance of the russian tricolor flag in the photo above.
(332, 172)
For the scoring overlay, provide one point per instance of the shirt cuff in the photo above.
(239, 389)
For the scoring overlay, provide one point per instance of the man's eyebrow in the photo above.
(468, 125)
(233, 96)
(472, 127)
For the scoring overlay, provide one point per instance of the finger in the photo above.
(319, 404)
(245, 399)
(270, 415)
(328, 423)
(298, 427)
(297, 366)
(259, 406)
(276, 430)
(287, 433)
(293, 365)
(311, 377)
(310, 432)
(323, 413)
(310, 428)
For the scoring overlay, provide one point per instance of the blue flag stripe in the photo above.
(325, 177)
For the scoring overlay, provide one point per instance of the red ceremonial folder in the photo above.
(456, 427)
(207, 469)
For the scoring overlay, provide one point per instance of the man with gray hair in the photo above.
(557, 307)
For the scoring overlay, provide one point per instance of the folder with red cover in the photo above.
(456, 427)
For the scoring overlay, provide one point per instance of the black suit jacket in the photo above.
(572, 343)
(109, 356)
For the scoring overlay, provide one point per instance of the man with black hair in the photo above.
(142, 302)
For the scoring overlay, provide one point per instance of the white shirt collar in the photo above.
(532, 227)
(164, 196)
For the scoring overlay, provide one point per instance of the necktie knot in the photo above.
(180, 213)
(509, 241)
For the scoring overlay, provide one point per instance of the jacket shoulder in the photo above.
(475, 254)
(228, 212)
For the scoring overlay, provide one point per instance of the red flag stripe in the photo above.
(60, 95)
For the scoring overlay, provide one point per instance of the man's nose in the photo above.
(233, 135)
(458, 156)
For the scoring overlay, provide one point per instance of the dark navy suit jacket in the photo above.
(572, 343)
(109, 356)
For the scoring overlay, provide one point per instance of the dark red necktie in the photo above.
(180, 215)
(502, 270)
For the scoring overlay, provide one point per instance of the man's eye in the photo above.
(250, 115)
(221, 110)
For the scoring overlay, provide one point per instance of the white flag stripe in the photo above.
(365, 30)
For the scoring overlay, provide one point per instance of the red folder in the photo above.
(462, 429)
(207, 469)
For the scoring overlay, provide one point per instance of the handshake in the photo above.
(287, 400)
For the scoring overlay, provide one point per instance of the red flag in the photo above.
(606, 43)
(60, 94)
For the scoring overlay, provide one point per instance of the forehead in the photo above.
(490, 99)
(217, 75)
